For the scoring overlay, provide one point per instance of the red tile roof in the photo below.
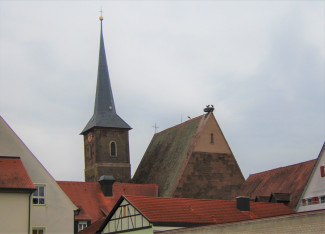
(13, 174)
(290, 179)
(202, 211)
(93, 227)
(93, 205)
(186, 212)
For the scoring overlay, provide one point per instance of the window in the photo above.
(322, 171)
(315, 200)
(113, 149)
(303, 202)
(39, 195)
(38, 230)
(211, 138)
(309, 201)
(81, 225)
(322, 199)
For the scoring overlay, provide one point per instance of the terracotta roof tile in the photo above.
(202, 211)
(13, 174)
(93, 205)
(93, 227)
(290, 180)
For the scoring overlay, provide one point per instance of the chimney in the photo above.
(243, 203)
(106, 183)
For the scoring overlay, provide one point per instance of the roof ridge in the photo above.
(178, 125)
(281, 167)
(179, 198)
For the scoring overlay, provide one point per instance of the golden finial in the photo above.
(101, 14)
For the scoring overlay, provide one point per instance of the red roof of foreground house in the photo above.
(289, 180)
(184, 212)
(93, 205)
(13, 174)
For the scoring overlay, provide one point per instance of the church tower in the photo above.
(106, 135)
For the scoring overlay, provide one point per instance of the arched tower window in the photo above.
(112, 149)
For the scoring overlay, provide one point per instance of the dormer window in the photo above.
(112, 149)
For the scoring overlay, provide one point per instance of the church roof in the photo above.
(93, 205)
(290, 180)
(13, 175)
(104, 112)
(165, 156)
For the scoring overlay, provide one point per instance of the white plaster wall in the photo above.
(315, 187)
(57, 216)
(14, 212)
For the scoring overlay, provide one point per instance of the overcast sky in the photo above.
(260, 63)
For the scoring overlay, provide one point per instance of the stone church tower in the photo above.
(106, 135)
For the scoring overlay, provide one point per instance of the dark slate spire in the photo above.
(104, 112)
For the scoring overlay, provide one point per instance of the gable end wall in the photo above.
(210, 176)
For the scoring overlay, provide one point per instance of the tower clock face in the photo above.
(90, 137)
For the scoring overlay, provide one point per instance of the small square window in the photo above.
(309, 201)
(38, 230)
(82, 225)
(322, 199)
(39, 195)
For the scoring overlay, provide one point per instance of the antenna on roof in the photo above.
(156, 127)
(209, 109)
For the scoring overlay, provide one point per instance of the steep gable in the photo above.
(57, 207)
(165, 156)
(288, 180)
(315, 187)
(193, 160)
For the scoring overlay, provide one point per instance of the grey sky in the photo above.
(262, 65)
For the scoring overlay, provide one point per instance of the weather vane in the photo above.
(101, 13)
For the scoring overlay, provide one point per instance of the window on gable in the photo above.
(309, 201)
(38, 230)
(315, 200)
(211, 138)
(39, 195)
(322, 199)
(303, 202)
(113, 149)
(82, 225)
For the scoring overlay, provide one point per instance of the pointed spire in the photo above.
(104, 112)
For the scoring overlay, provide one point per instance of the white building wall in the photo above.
(14, 212)
(57, 215)
(315, 187)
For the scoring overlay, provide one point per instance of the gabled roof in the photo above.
(104, 112)
(165, 156)
(13, 175)
(184, 212)
(312, 174)
(290, 180)
(93, 205)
